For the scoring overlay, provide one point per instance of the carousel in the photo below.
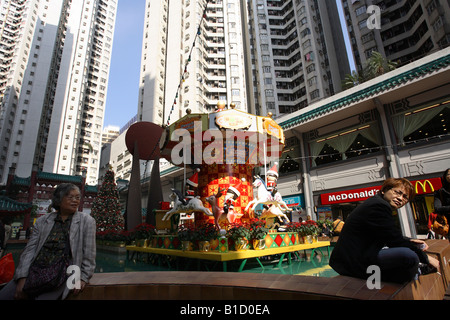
(226, 199)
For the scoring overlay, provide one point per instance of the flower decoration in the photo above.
(206, 232)
(258, 229)
(239, 230)
(186, 233)
(144, 231)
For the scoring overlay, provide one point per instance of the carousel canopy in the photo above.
(222, 136)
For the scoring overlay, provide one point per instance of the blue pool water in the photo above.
(315, 266)
(114, 262)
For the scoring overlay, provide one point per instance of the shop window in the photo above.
(361, 146)
(422, 123)
(346, 144)
(436, 127)
(289, 165)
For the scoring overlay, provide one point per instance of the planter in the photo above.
(141, 243)
(309, 239)
(187, 245)
(259, 244)
(204, 246)
(241, 244)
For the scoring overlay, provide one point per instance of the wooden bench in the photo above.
(176, 285)
(182, 285)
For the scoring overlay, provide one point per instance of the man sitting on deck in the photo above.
(370, 237)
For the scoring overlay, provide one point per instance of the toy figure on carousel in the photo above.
(232, 195)
(272, 177)
(192, 186)
(191, 189)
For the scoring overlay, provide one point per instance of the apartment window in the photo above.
(438, 24)
(368, 53)
(431, 7)
(367, 37)
(315, 94)
(312, 81)
(305, 32)
(362, 24)
(307, 44)
(361, 10)
(311, 68)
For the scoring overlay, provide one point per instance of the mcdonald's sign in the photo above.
(427, 185)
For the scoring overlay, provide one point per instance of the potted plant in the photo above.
(186, 234)
(204, 233)
(309, 230)
(258, 233)
(239, 233)
(143, 234)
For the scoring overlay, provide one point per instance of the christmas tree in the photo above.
(106, 208)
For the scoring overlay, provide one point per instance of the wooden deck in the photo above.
(182, 285)
(176, 285)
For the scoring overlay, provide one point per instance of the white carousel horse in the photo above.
(194, 205)
(264, 196)
(274, 211)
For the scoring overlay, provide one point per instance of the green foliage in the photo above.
(206, 232)
(186, 233)
(376, 65)
(258, 229)
(239, 230)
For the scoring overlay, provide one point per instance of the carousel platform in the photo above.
(224, 258)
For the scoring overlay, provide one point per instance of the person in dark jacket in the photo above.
(442, 197)
(370, 237)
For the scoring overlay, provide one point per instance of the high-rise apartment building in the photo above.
(297, 52)
(401, 30)
(109, 134)
(200, 49)
(54, 65)
(263, 56)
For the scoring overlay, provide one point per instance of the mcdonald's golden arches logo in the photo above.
(423, 186)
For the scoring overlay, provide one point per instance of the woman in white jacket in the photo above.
(48, 241)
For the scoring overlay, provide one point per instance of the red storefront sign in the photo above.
(425, 186)
(348, 195)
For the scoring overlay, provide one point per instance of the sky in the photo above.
(123, 85)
